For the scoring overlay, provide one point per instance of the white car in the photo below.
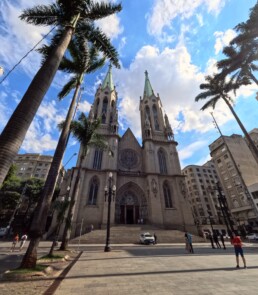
(147, 238)
(252, 236)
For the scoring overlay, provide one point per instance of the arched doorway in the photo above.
(131, 205)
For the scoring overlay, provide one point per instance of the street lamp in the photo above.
(110, 191)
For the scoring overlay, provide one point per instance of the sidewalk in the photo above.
(161, 270)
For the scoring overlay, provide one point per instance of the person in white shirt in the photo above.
(23, 240)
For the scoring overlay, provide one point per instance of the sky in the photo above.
(177, 41)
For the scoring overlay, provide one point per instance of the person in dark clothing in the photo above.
(155, 238)
(216, 240)
(222, 241)
(211, 240)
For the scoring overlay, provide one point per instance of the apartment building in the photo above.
(32, 165)
(238, 173)
(201, 183)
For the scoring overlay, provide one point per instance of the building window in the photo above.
(94, 186)
(167, 195)
(162, 162)
(97, 159)
(104, 110)
(155, 116)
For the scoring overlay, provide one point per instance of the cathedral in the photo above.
(147, 184)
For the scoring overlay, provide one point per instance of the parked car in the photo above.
(147, 238)
(252, 236)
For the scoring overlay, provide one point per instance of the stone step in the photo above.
(131, 234)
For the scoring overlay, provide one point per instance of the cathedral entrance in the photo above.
(131, 206)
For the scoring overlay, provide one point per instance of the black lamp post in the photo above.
(225, 211)
(110, 191)
(209, 216)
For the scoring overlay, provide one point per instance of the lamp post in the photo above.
(209, 216)
(224, 209)
(109, 193)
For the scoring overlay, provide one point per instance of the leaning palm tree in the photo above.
(240, 63)
(216, 89)
(82, 59)
(85, 130)
(243, 50)
(74, 17)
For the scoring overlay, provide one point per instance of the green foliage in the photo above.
(85, 131)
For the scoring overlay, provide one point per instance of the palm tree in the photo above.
(85, 131)
(239, 63)
(71, 18)
(217, 89)
(60, 207)
(243, 50)
(83, 59)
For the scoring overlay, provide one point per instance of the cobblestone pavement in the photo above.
(162, 270)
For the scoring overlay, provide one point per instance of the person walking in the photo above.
(155, 238)
(15, 241)
(189, 239)
(23, 241)
(216, 241)
(187, 247)
(211, 240)
(237, 243)
(222, 241)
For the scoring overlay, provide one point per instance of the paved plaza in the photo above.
(161, 269)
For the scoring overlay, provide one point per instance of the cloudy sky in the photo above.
(177, 41)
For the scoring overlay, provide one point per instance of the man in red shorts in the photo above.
(237, 243)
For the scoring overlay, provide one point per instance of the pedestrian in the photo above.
(237, 243)
(15, 241)
(155, 239)
(222, 241)
(187, 246)
(189, 238)
(23, 240)
(91, 227)
(216, 240)
(211, 240)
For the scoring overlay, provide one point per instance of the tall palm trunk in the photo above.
(66, 233)
(41, 212)
(14, 132)
(251, 144)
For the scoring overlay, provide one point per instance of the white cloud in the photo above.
(111, 26)
(37, 141)
(164, 11)
(19, 37)
(84, 106)
(192, 148)
(223, 39)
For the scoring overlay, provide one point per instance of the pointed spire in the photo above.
(148, 91)
(108, 81)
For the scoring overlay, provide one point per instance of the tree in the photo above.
(85, 131)
(82, 59)
(70, 17)
(217, 89)
(60, 207)
(243, 51)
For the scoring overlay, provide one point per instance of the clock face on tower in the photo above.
(128, 158)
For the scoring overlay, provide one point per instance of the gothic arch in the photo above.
(131, 204)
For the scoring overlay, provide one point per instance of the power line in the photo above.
(12, 69)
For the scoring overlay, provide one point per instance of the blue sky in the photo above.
(177, 42)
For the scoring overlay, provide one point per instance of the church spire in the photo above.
(108, 81)
(148, 91)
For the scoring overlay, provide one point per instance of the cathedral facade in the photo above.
(149, 184)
